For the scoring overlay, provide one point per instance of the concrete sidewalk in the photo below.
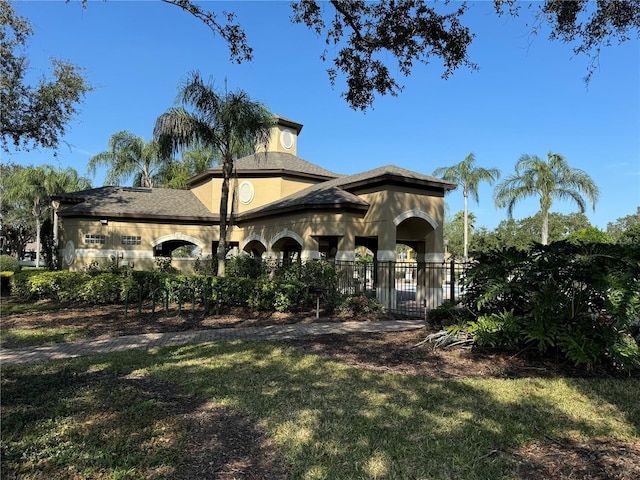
(145, 341)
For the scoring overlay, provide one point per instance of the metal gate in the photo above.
(408, 289)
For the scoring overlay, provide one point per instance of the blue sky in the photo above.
(528, 97)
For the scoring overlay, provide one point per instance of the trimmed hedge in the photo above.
(283, 290)
(9, 264)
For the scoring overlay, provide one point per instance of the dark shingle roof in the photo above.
(141, 203)
(388, 173)
(271, 163)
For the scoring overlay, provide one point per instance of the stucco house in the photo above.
(283, 207)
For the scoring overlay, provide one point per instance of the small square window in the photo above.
(130, 240)
(94, 239)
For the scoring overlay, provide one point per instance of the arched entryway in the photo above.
(180, 248)
(254, 245)
(287, 246)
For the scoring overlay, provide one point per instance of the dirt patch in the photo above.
(112, 321)
(225, 445)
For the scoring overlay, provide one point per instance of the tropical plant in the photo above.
(578, 300)
(196, 160)
(468, 177)
(128, 156)
(549, 180)
(34, 186)
(226, 122)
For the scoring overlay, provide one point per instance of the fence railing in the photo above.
(405, 288)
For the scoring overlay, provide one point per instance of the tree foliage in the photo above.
(365, 41)
(30, 189)
(623, 227)
(128, 156)
(226, 122)
(453, 232)
(549, 180)
(468, 176)
(525, 233)
(33, 116)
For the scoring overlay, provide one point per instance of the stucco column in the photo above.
(346, 246)
(432, 268)
(386, 261)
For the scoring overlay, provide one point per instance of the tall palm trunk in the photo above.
(227, 169)
(466, 223)
(545, 227)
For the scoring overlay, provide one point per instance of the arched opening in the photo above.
(417, 284)
(287, 246)
(255, 245)
(178, 245)
(180, 250)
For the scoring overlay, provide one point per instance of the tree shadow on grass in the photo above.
(338, 422)
(215, 410)
(81, 419)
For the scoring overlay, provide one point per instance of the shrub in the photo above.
(104, 288)
(281, 296)
(576, 299)
(20, 286)
(233, 292)
(149, 280)
(245, 266)
(5, 282)
(62, 286)
(163, 264)
(449, 313)
(360, 305)
(9, 264)
(312, 274)
(206, 266)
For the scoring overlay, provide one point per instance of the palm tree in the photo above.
(549, 180)
(468, 177)
(36, 186)
(128, 156)
(226, 122)
(195, 160)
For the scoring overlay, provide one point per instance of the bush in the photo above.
(245, 266)
(104, 288)
(281, 296)
(449, 313)
(578, 300)
(9, 264)
(5, 282)
(20, 287)
(233, 292)
(359, 305)
(60, 286)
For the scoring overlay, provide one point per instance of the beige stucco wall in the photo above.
(141, 255)
(265, 191)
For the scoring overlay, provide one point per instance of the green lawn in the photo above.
(105, 416)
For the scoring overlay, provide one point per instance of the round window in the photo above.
(286, 138)
(246, 193)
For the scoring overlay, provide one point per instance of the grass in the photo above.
(109, 416)
(9, 306)
(16, 338)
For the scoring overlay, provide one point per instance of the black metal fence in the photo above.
(404, 288)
